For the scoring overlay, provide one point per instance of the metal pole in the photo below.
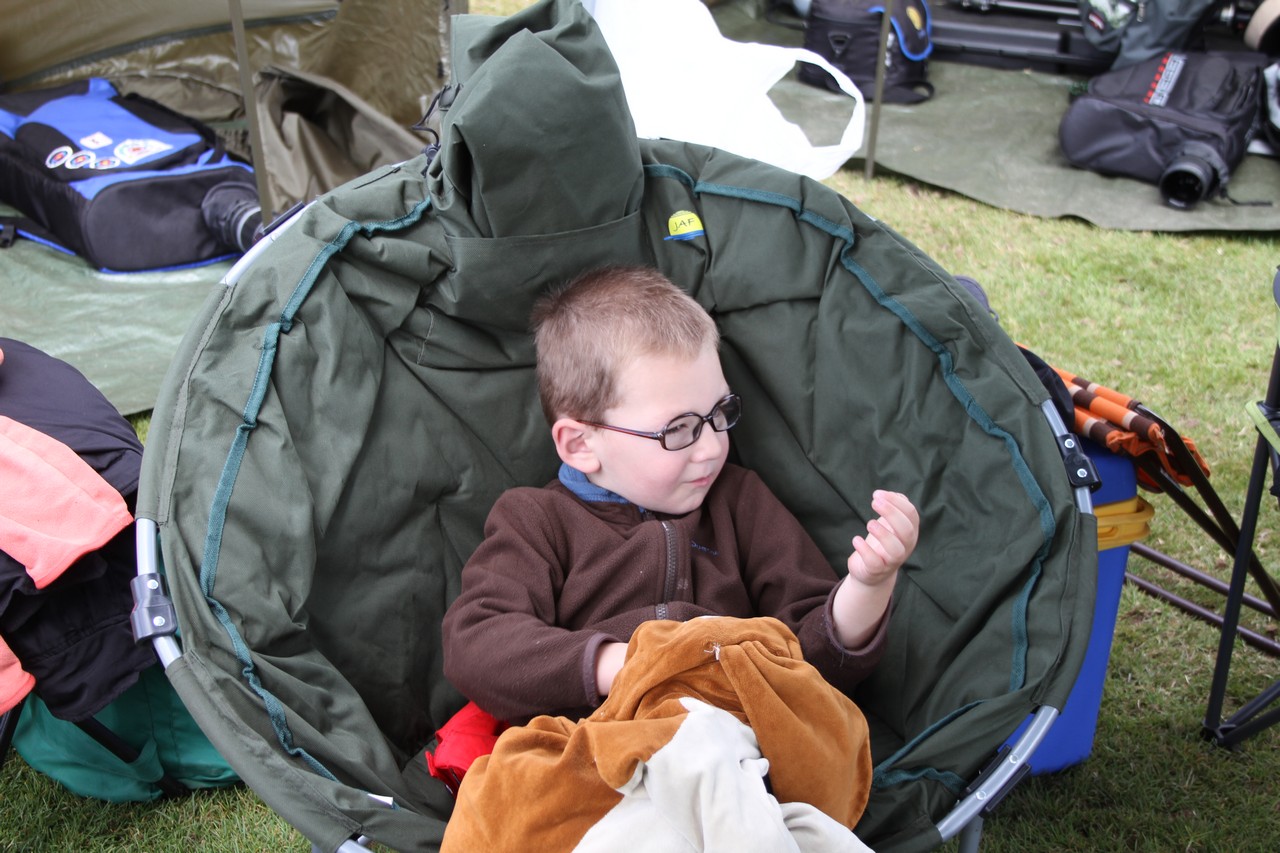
(881, 53)
(1202, 578)
(251, 111)
(1251, 638)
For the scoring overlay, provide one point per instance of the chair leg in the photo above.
(125, 751)
(1231, 612)
(1249, 719)
(970, 836)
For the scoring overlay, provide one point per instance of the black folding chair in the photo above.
(1254, 715)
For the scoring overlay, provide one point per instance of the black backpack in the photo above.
(1134, 31)
(1181, 121)
(847, 34)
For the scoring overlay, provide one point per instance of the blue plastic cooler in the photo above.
(1122, 520)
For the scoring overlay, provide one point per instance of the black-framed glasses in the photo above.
(683, 430)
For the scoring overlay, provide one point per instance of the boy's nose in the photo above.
(708, 444)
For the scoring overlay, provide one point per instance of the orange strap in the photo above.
(1112, 419)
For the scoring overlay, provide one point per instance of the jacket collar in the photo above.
(577, 482)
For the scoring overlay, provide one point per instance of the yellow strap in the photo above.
(1123, 522)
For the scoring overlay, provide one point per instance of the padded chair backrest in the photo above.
(344, 413)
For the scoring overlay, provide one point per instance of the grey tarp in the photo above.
(120, 331)
(1022, 168)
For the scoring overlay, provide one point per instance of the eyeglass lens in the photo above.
(686, 429)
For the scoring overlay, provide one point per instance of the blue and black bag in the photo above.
(121, 180)
(846, 33)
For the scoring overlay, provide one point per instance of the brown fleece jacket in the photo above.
(557, 576)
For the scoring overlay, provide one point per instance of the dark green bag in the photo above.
(1134, 32)
(148, 716)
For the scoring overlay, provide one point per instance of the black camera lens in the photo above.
(1186, 181)
(233, 215)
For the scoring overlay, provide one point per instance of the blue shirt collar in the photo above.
(577, 482)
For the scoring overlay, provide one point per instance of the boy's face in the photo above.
(652, 390)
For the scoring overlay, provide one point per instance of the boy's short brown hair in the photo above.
(586, 330)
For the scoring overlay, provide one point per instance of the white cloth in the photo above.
(685, 81)
(704, 790)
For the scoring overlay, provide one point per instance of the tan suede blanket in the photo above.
(676, 758)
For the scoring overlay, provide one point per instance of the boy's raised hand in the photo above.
(889, 541)
(863, 596)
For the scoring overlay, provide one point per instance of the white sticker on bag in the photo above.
(133, 150)
(95, 140)
(82, 160)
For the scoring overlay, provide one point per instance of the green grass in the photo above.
(38, 815)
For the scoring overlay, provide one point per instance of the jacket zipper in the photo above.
(669, 586)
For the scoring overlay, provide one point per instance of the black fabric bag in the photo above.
(1182, 121)
(121, 180)
(847, 34)
(1134, 31)
(74, 634)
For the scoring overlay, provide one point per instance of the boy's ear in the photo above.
(570, 438)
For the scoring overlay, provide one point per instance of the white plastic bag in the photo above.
(683, 80)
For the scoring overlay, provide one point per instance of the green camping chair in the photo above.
(343, 413)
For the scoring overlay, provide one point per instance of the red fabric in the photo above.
(54, 508)
(469, 734)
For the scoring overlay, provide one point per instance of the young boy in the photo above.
(646, 520)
